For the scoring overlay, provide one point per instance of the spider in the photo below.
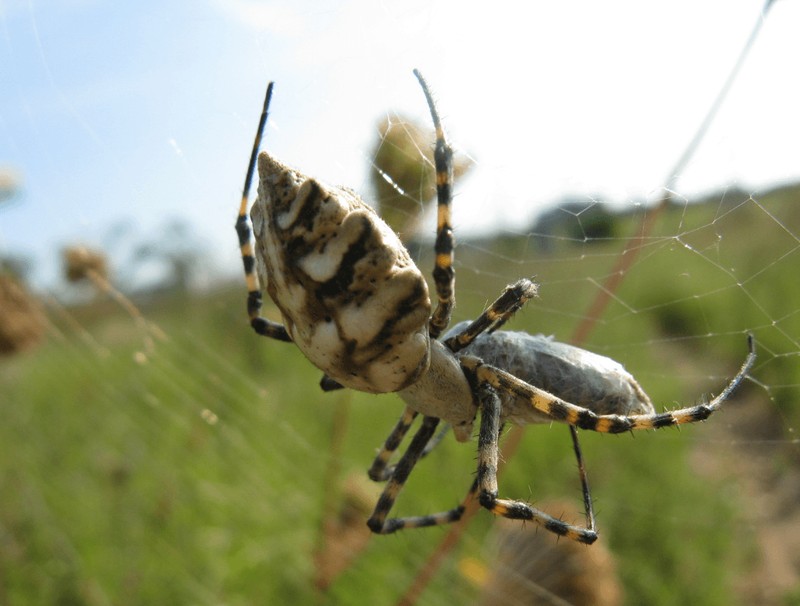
(356, 305)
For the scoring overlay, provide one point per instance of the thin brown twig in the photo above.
(146, 328)
(331, 488)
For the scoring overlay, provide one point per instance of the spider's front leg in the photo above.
(488, 455)
(262, 326)
(444, 275)
(510, 301)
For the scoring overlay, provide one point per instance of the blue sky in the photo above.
(143, 112)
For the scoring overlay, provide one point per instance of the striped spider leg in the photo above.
(262, 326)
(443, 273)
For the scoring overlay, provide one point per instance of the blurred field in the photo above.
(195, 473)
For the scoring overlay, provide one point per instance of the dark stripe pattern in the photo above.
(444, 275)
(260, 325)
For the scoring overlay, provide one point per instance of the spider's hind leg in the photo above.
(488, 455)
(587, 495)
(560, 410)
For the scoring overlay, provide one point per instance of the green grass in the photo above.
(197, 476)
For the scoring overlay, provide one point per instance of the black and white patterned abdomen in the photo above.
(350, 296)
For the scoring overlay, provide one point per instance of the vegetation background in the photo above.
(198, 463)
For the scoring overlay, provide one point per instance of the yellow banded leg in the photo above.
(560, 410)
(378, 522)
(488, 453)
(379, 472)
(443, 272)
(262, 326)
(507, 304)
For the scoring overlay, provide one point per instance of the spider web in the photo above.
(170, 447)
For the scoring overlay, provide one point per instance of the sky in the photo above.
(144, 113)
